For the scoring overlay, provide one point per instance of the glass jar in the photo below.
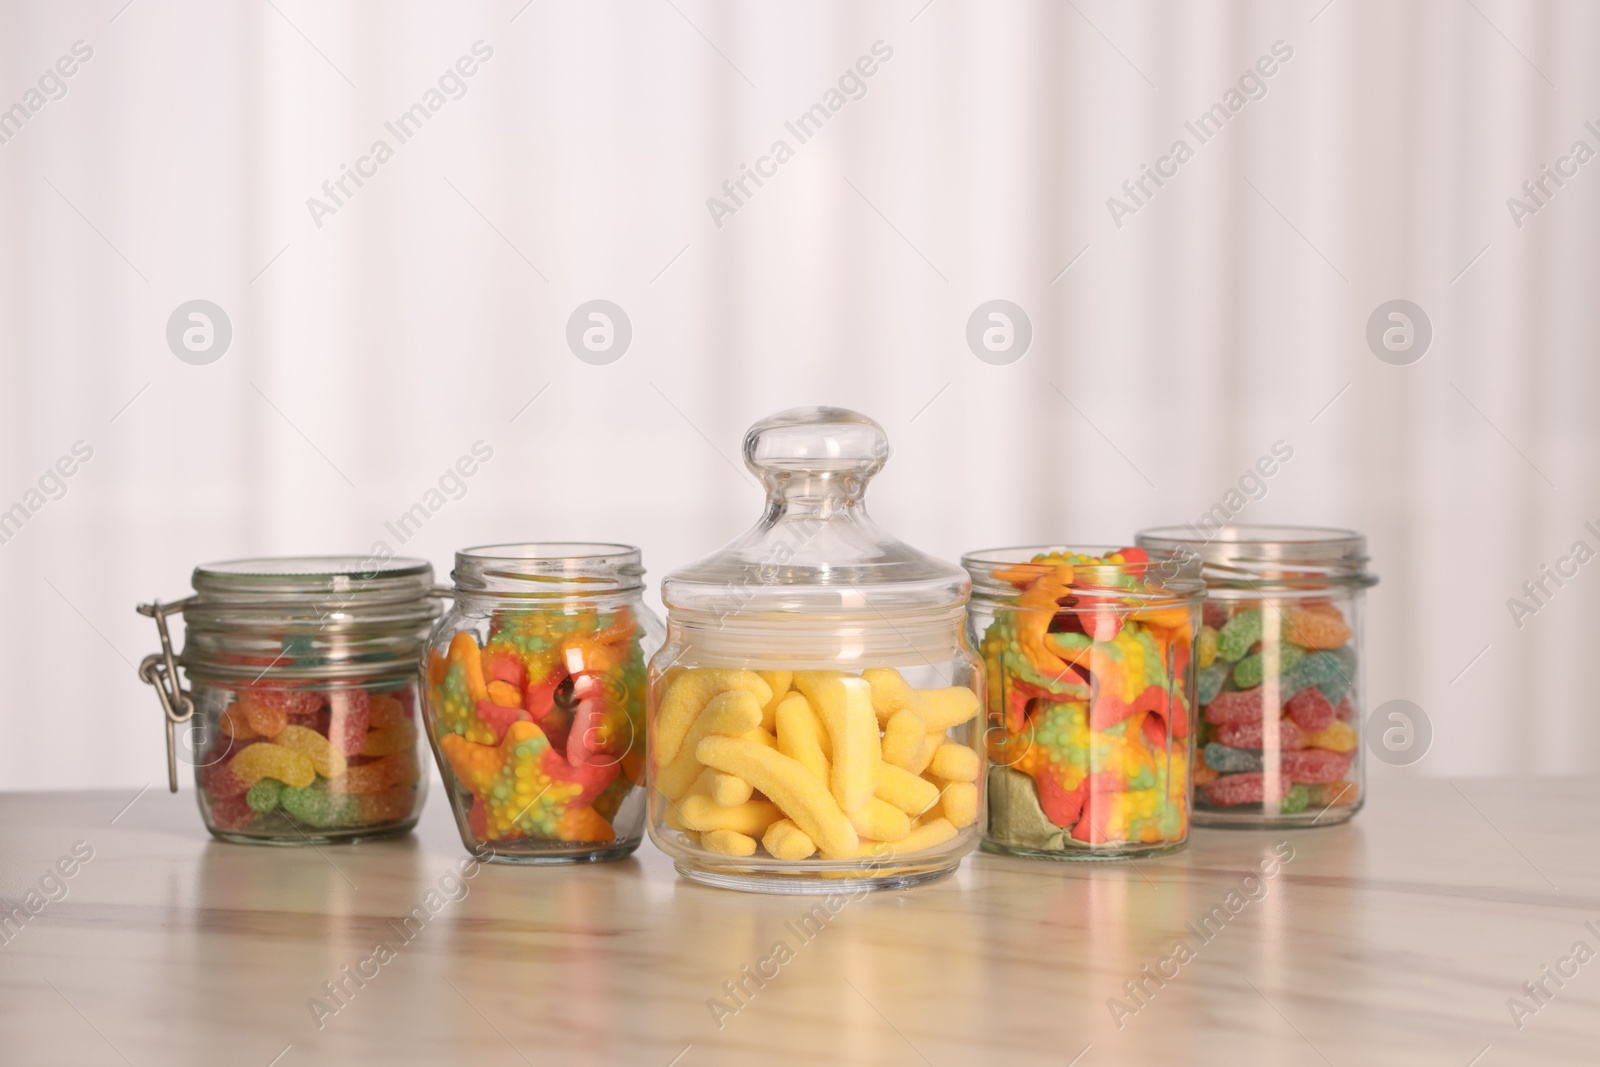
(1090, 718)
(300, 713)
(1280, 679)
(813, 712)
(535, 701)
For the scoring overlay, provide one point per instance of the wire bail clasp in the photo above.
(160, 670)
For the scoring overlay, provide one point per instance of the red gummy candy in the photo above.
(1241, 705)
(592, 778)
(587, 718)
(540, 697)
(1316, 766)
(497, 717)
(1284, 733)
(478, 820)
(504, 665)
(219, 781)
(1249, 788)
(1343, 712)
(1310, 709)
(1214, 615)
(1108, 709)
(1059, 806)
(231, 814)
(351, 710)
(1092, 826)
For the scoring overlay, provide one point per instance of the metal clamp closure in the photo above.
(160, 670)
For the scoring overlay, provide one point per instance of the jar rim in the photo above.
(1166, 576)
(1266, 556)
(549, 568)
(292, 577)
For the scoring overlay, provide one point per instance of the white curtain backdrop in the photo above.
(1173, 343)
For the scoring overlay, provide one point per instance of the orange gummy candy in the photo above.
(1321, 627)
(235, 723)
(386, 711)
(268, 720)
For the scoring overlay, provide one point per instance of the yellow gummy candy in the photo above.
(729, 714)
(779, 682)
(687, 696)
(879, 820)
(729, 789)
(906, 791)
(760, 737)
(328, 762)
(801, 735)
(790, 786)
(944, 708)
(890, 693)
(903, 738)
(1337, 736)
(700, 812)
(729, 842)
(960, 804)
(844, 704)
(956, 763)
(786, 841)
(930, 745)
(929, 835)
(267, 760)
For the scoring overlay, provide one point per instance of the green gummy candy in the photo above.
(320, 808)
(1208, 681)
(1238, 634)
(1250, 671)
(1295, 800)
(1015, 817)
(264, 795)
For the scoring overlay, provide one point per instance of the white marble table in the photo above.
(1396, 940)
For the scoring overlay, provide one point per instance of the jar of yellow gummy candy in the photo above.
(534, 700)
(813, 714)
(1089, 658)
(300, 711)
(1280, 678)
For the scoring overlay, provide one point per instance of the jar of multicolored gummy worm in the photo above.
(1090, 701)
(300, 711)
(535, 691)
(1280, 673)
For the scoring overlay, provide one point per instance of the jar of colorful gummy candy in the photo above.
(535, 701)
(1279, 680)
(300, 711)
(1090, 709)
(813, 714)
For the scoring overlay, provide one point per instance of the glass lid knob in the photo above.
(816, 449)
